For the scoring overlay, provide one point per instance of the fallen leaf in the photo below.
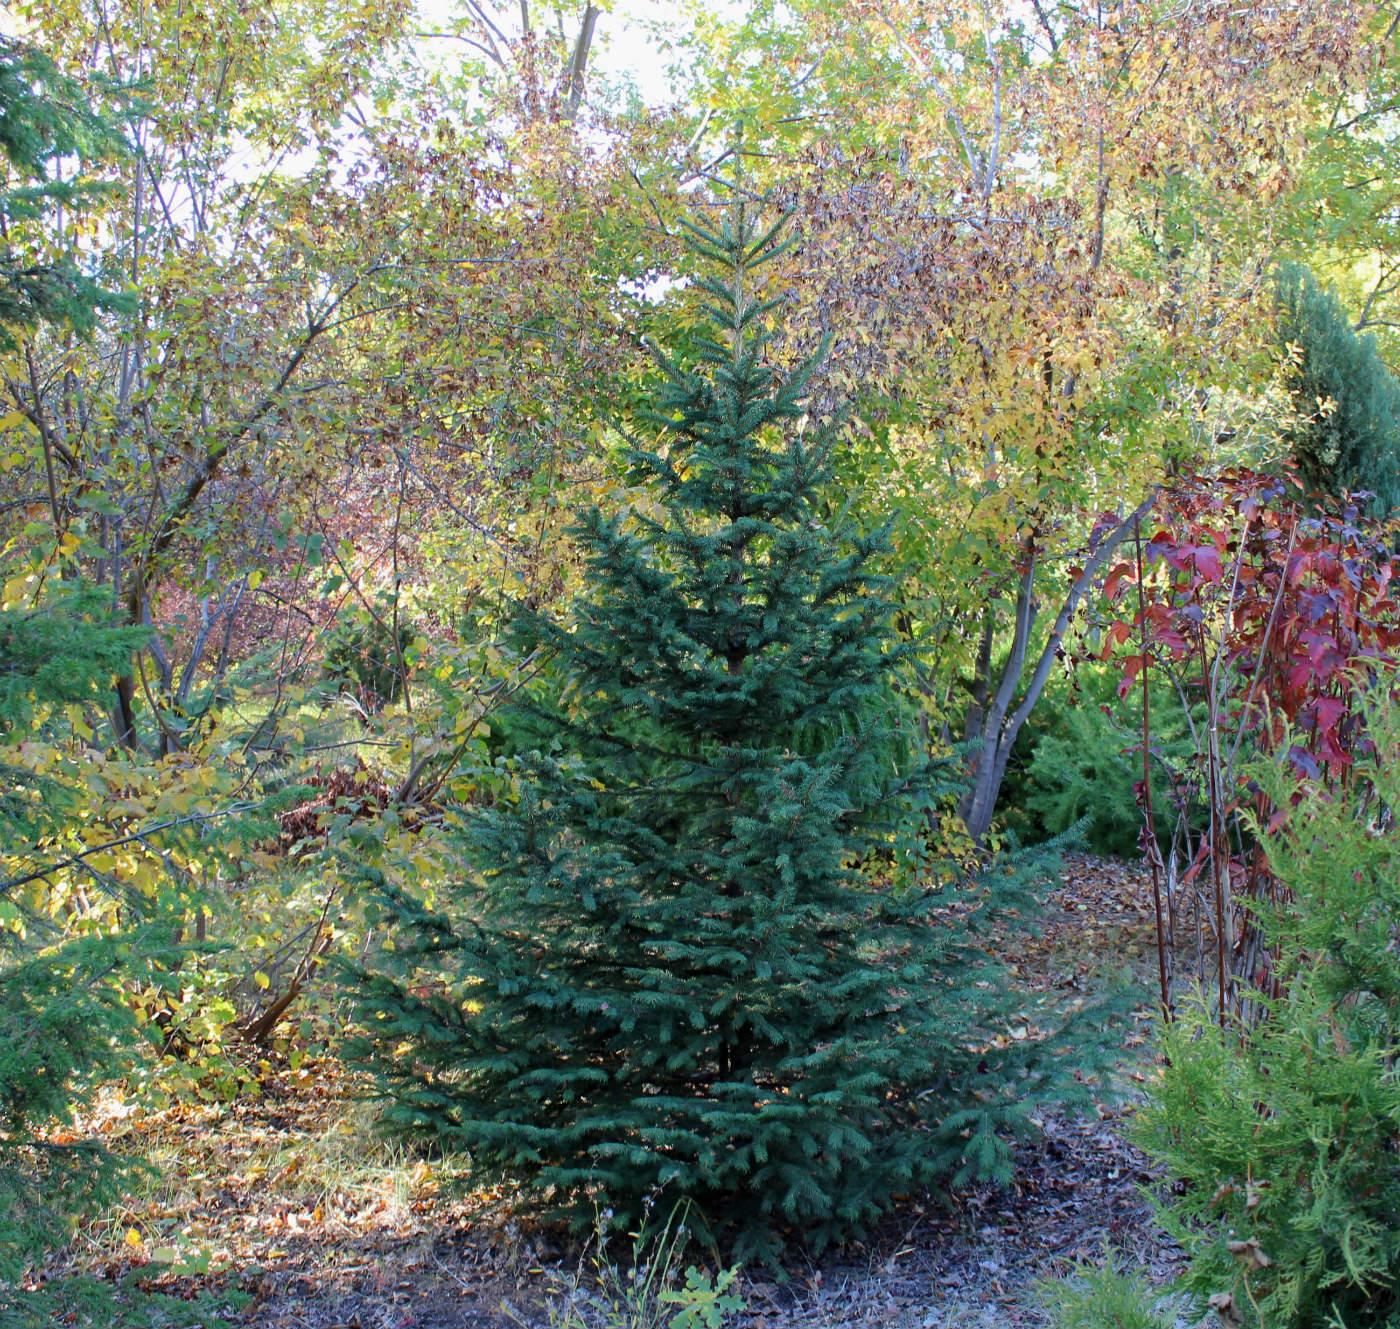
(1223, 1304)
(1249, 1254)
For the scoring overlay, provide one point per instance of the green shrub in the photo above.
(361, 654)
(1347, 436)
(1286, 1137)
(1104, 1296)
(1079, 758)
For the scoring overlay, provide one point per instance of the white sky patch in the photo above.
(625, 49)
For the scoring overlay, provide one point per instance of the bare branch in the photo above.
(578, 62)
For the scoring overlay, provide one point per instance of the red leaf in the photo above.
(1208, 563)
(1194, 871)
(1114, 581)
(1116, 635)
(1132, 667)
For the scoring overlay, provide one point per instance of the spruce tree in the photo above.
(669, 980)
(47, 124)
(60, 1017)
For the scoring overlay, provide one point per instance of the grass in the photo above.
(645, 1288)
(228, 1185)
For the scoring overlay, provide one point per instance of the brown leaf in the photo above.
(1249, 1254)
(1223, 1304)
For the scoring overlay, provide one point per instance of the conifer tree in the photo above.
(668, 979)
(59, 1017)
(46, 122)
(1348, 401)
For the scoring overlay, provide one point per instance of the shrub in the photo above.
(1082, 761)
(1104, 1296)
(1286, 1135)
(1347, 436)
(361, 654)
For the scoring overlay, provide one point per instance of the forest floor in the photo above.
(284, 1207)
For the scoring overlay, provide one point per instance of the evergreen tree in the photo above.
(58, 1013)
(59, 1016)
(668, 978)
(46, 121)
(1348, 402)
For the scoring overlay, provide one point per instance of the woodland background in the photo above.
(320, 322)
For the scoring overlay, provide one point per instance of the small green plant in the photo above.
(90, 1302)
(1104, 1296)
(645, 1290)
(1078, 763)
(364, 655)
(704, 1301)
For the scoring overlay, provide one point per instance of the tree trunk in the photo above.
(1002, 721)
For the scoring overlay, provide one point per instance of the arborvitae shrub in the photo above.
(1348, 401)
(667, 979)
(1285, 1137)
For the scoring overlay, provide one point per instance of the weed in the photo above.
(647, 1290)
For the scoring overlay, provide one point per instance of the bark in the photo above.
(1004, 714)
(578, 62)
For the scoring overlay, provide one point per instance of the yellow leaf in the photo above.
(133, 1238)
(261, 979)
(16, 420)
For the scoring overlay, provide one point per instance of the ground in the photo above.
(287, 1208)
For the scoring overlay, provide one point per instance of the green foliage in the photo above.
(648, 1289)
(59, 1016)
(1287, 1135)
(1348, 432)
(668, 978)
(1079, 757)
(46, 122)
(89, 1302)
(1104, 1296)
(705, 1300)
(362, 653)
(66, 650)
(58, 1024)
(1083, 770)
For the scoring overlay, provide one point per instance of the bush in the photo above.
(1106, 1296)
(1347, 436)
(1080, 758)
(1286, 1135)
(361, 655)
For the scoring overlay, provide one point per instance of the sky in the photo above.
(624, 45)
